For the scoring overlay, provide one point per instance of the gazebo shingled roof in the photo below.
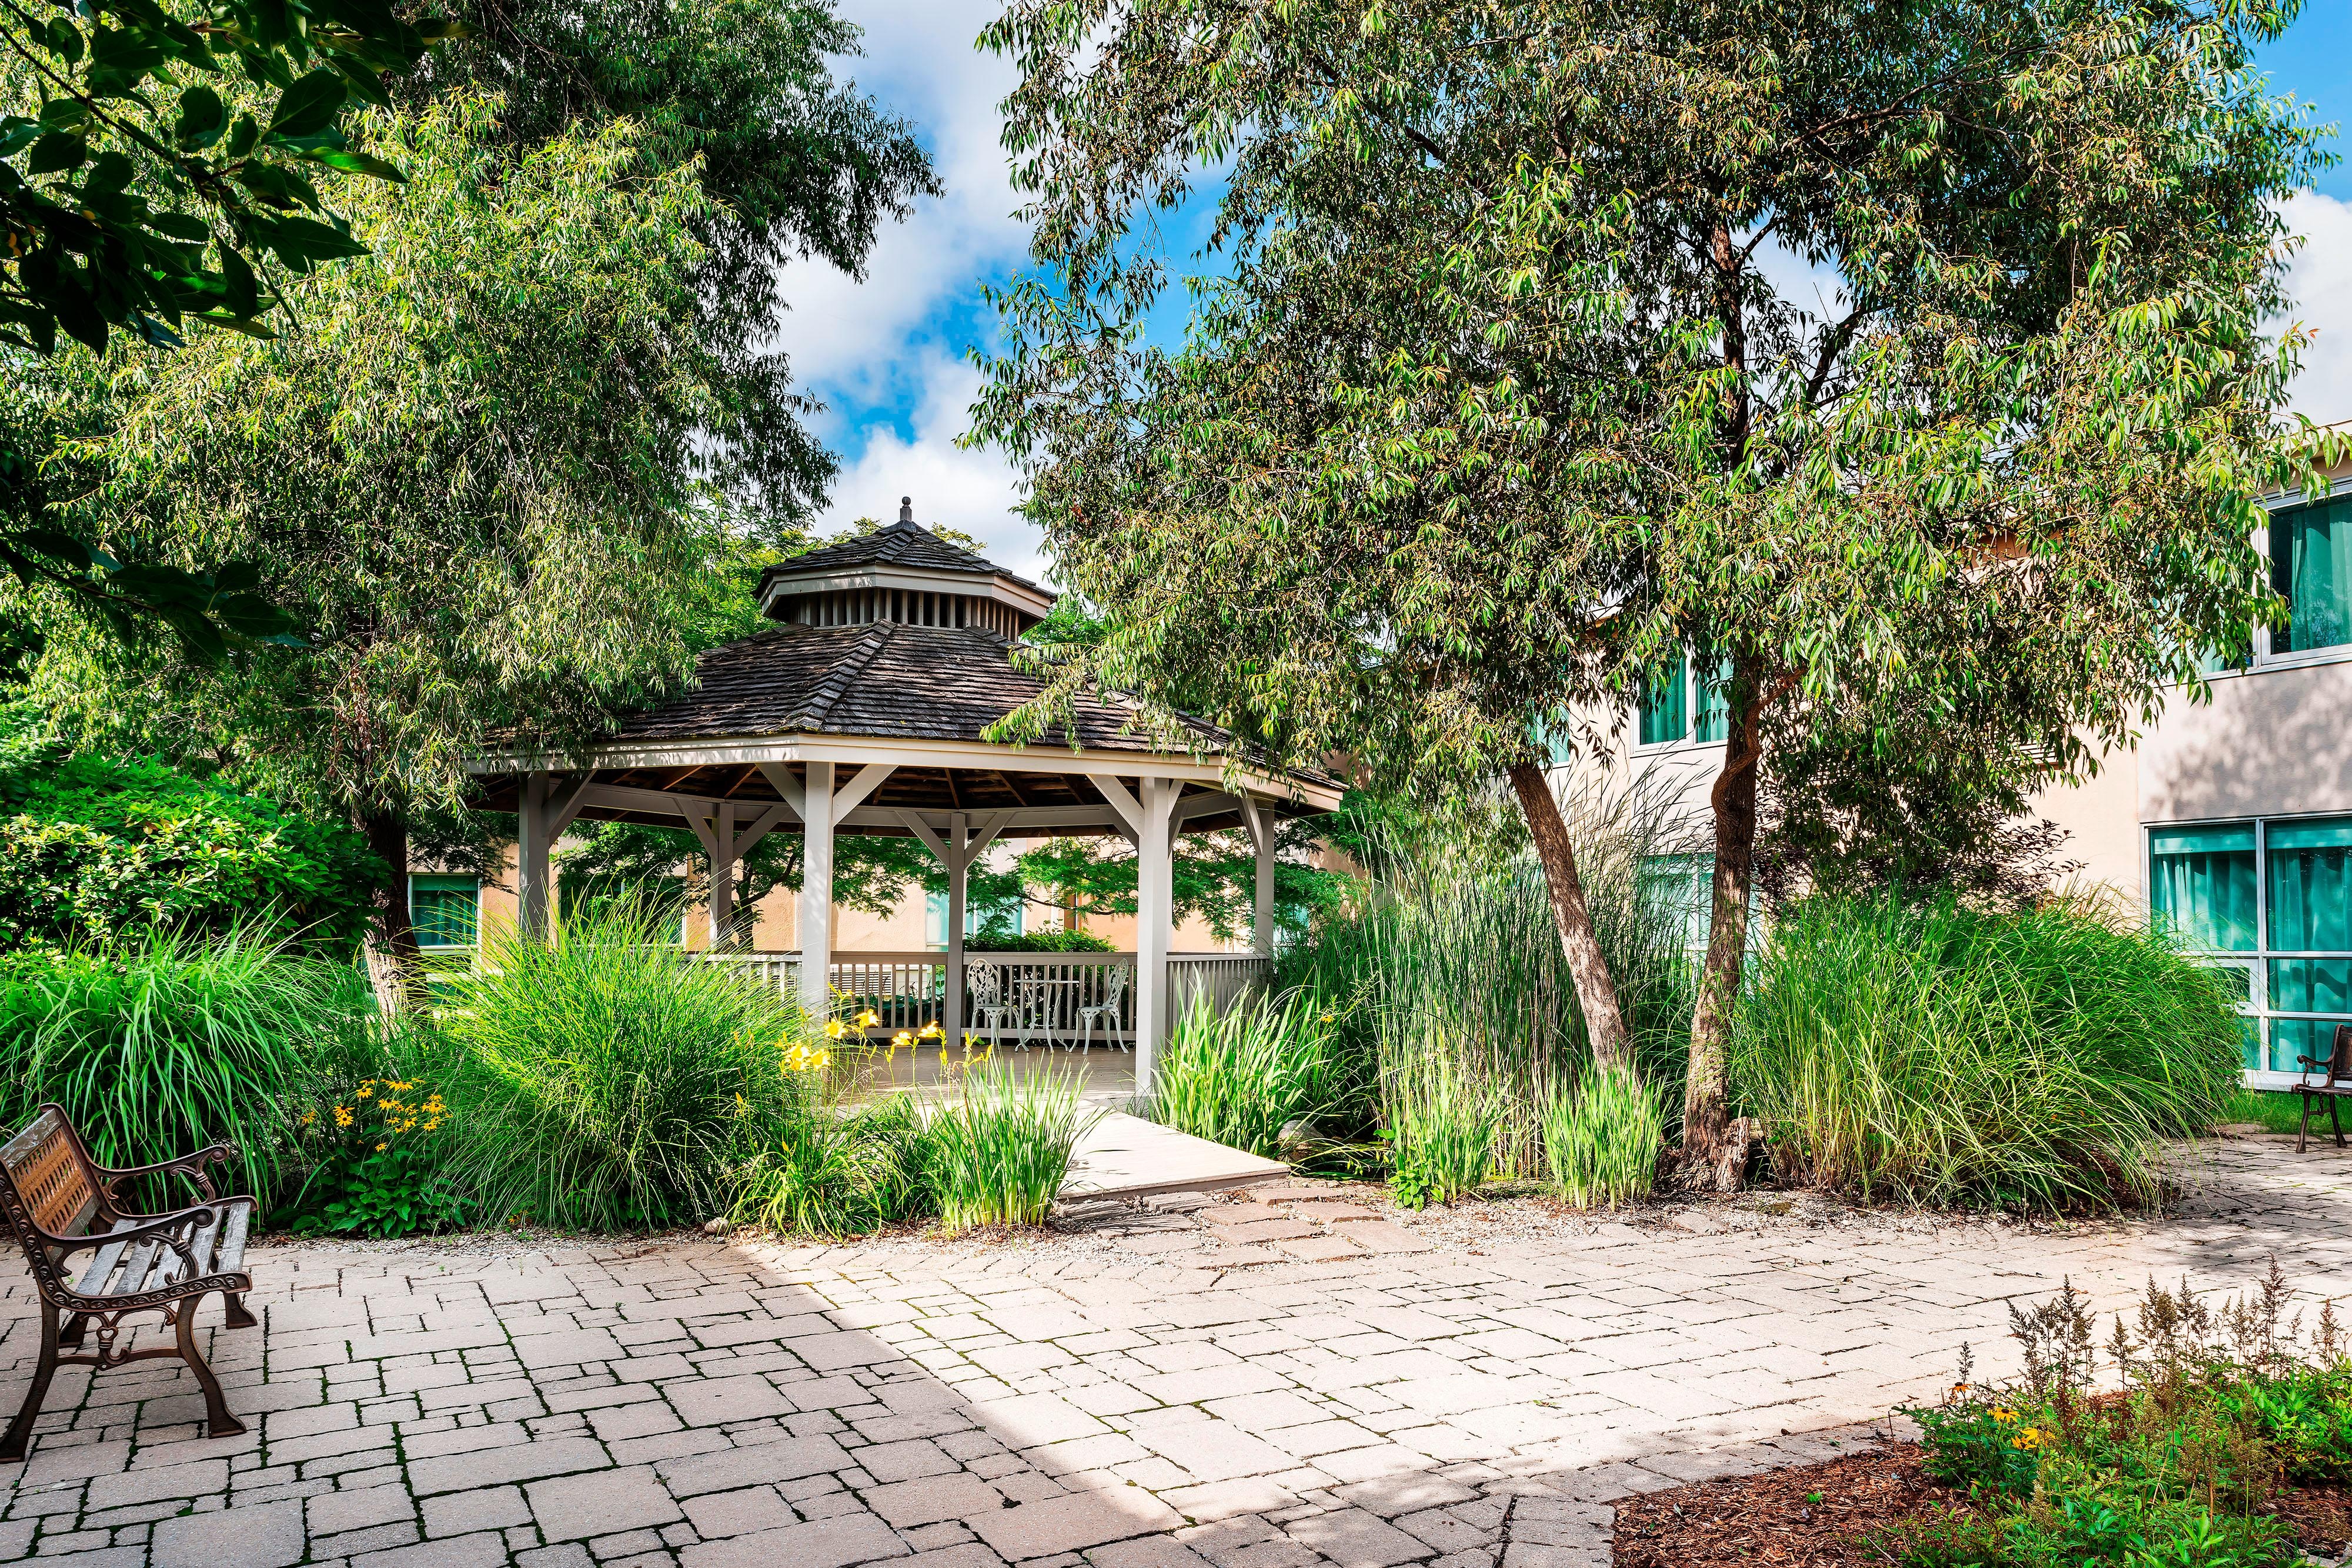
(868, 711)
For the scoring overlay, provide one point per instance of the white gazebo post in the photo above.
(530, 870)
(1149, 814)
(816, 892)
(1261, 831)
(721, 851)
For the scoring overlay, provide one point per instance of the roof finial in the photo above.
(905, 508)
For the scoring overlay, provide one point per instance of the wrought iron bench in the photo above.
(61, 1202)
(2333, 1087)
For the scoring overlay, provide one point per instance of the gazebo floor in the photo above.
(1105, 1076)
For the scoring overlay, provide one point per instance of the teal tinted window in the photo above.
(444, 910)
(2201, 885)
(1710, 702)
(2310, 886)
(1666, 705)
(2311, 566)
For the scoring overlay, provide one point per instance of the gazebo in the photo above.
(866, 711)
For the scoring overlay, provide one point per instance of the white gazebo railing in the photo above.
(1037, 998)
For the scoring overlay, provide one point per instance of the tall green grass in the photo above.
(605, 1079)
(1452, 948)
(170, 1040)
(833, 1171)
(1442, 1125)
(1239, 1077)
(1602, 1139)
(1947, 1056)
(998, 1150)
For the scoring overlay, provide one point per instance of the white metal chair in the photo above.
(1107, 1011)
(988, 1003)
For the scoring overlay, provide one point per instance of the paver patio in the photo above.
(1288, 1381)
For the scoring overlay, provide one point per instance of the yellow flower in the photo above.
(932, 1030)
(2028, 1439)
(343, 1117)
(2004, 1415)
(308, 1117)
(379, 1148)
(902, 1039)
(366, 1089)
(868, 1018)
(823, 1061)
(743, 1106)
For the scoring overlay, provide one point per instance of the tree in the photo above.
(1505, 395)
(470, 470)
(794, 162)
(138, 199)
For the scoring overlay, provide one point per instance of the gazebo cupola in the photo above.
(903, 573)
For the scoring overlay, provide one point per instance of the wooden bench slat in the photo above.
(231, 1256)
(102, 1264)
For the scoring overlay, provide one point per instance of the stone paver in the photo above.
(1294, 1379)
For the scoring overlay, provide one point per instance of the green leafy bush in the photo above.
(1950, 1056)
(1239, 1077)
(380, 1168)
(605, 1079)
(1440, 1128)
(1602, 1139)
(2175, 1469)
(832, 1172)
(1005, 940)
(998, 1150)
(174, 1039)
(96, 850)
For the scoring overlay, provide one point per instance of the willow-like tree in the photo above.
(1887, 352)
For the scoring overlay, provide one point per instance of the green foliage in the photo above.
(1240, 1077)
(998, 1150)
(795, 163)
(94, 849)
(1603, 1138)
(1452, 946)
(379, 1154)
(2278, 1112)
(2174, 1470)
(171, 1040)
(536, 305)
(1441, 1126)
(134, 209)
(605, 1079)
(1947, 1055)
(836, 1173)
(997, 939)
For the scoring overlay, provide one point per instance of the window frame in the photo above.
(2255, 962)
(1696, 709)
(2260, 656)
(420, 882)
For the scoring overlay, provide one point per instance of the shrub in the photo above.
(172, 1041)
(998, 1150)
(1003, 939)
(1238, 1078)
(1602, 1139)
(93, 849)
(605, 1079)
(379, 1165)
(1946, 1055)
(2176, 1469)
(1440, 1128)
(835, 1173)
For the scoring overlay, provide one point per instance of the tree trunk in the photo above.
(1711, 1157)
(392, 938)
(1604, 1021)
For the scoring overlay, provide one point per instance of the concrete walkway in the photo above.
(1294, 1379)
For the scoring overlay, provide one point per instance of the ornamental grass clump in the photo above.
(174, 1039)
(998, 1146)
(1440, 1131)
(605, 1079)
(1951, 1056)
(834, 1172)
(1602, 1139)
(1241, 1076)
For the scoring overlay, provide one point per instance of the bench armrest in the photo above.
(191, 1165)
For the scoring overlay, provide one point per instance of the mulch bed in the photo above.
(1830, 1515)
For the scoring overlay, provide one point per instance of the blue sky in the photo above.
(887, 354)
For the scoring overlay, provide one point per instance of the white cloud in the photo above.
(971, 491)
(2321, 282)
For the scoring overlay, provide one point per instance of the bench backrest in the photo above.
(49, 1176)
(2339, 1060)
